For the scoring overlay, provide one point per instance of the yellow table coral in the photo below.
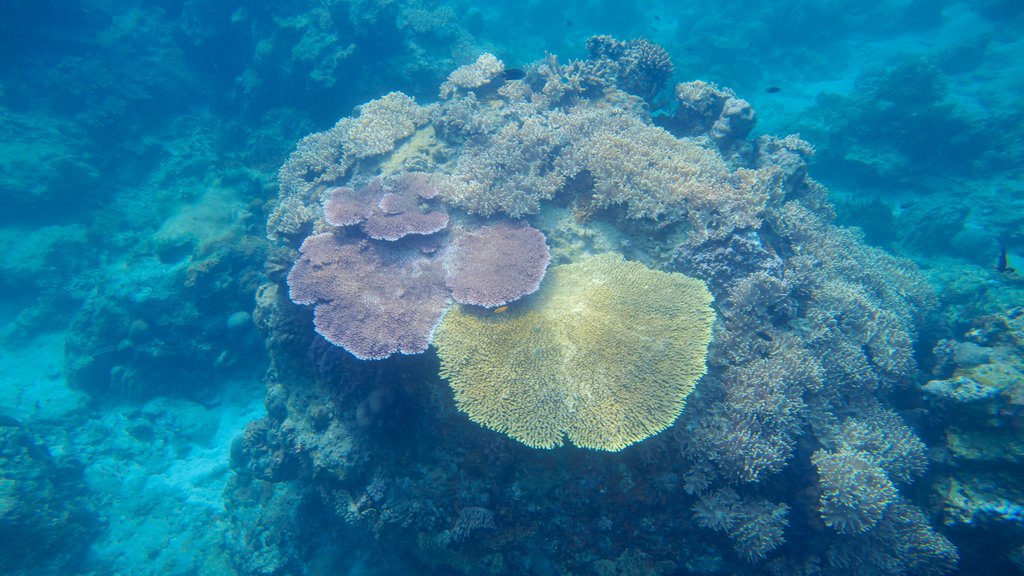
(605, 354)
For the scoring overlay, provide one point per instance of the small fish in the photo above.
(501, 309)
(568, 22)
(658, 18)
(773, 90)
(1003, 265)
(513, 74)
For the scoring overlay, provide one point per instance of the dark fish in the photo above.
(658, 18)
(513, 74)
(568, 22)
(1003, 265)
(773, 90)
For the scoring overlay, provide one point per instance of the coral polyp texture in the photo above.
(387, 212)
(605, 356)
(497, 264)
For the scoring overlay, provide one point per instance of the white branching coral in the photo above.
(480, 73)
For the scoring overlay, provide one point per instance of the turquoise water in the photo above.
(186, 387)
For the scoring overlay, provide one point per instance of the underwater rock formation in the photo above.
(977, 394)
(816, 335)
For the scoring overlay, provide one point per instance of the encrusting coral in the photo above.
(605, 355)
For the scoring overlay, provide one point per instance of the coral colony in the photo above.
(433, 223)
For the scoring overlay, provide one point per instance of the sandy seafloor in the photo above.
(139, 148)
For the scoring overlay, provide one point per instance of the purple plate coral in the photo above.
(371, 298)
(388, 212)
(497, 264)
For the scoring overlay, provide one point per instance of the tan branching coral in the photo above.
(606, 356)
(656, 176)
(511, 174)
(384, 121)
(480, 73)
(318, 159)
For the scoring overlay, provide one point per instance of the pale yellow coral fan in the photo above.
(605, 354)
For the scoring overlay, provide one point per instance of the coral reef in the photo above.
(380, 294)
(324, 158)
(976, 398)
(566, 364)
(854, 492)
(383, 122)
(641, 66)
(174, 319)
(480, 73)
(792, 430)
(895, 129)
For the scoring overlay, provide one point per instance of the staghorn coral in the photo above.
(497, 264)
(565, 82)
(319, 158)
(511, 172)
(658, 177)
(855, 492)
(567, 366)
(383, 122)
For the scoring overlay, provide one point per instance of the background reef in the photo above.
(165, 408)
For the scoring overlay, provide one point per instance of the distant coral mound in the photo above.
(605, 356)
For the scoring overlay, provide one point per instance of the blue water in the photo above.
(167, 405)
